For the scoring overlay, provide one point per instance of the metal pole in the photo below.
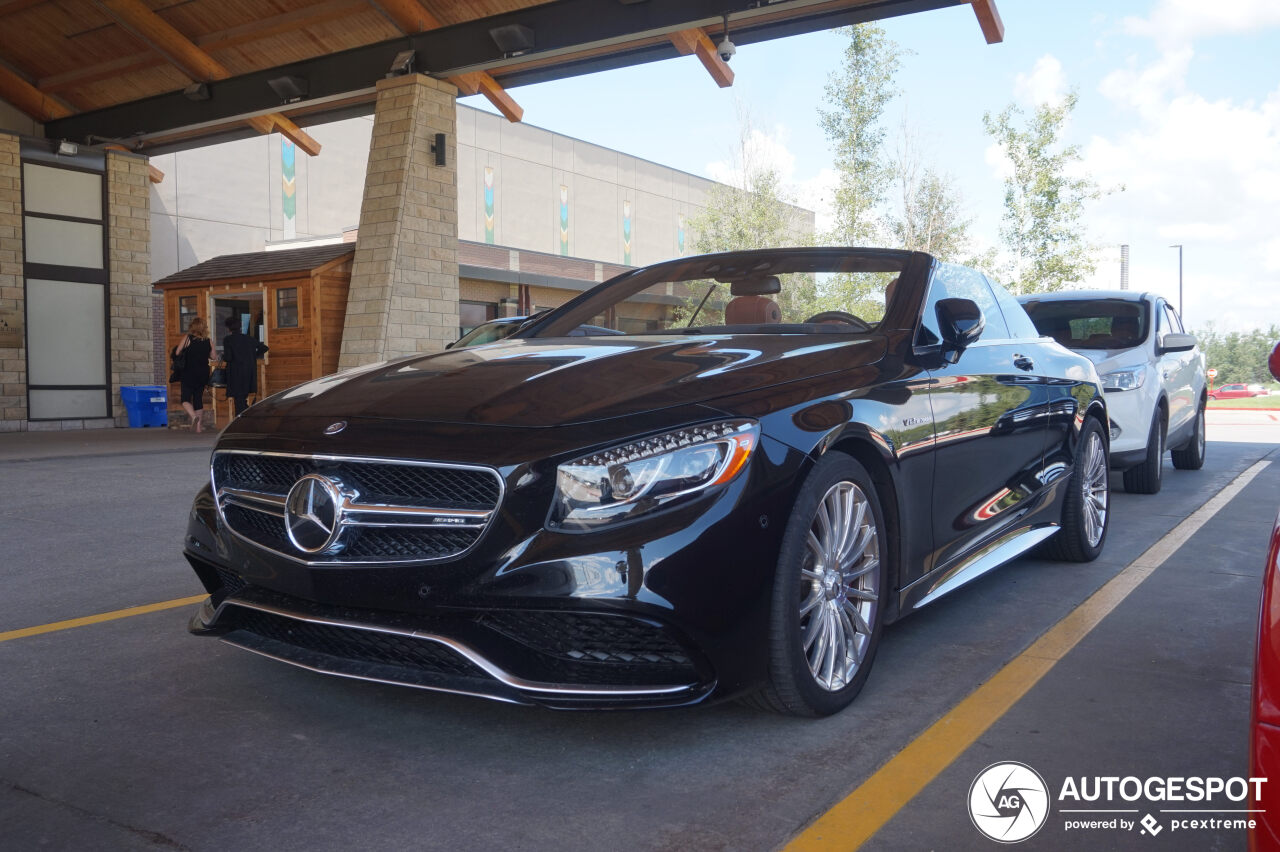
(1179, 248)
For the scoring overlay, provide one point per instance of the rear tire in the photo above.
(1146, 478)
(1191, 456)
(830, 593)
(1086, 508)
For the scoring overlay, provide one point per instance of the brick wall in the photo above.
(129, 243)
(404, 281)
(13, 362)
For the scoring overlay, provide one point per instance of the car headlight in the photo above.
(1128, 379)
(635, 478)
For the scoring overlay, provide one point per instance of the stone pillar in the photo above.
(129, 265)
(404, 282)
(13, 361)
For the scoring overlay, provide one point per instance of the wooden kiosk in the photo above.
(293, 300)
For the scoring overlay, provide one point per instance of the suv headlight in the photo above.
(635, 478)
(1127, 379)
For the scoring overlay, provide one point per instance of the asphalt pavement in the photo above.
(129, 733)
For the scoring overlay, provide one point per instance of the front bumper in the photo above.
(664, 611)
(554, 659)
(1130, 413)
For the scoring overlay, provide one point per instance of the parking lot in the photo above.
(128, 733)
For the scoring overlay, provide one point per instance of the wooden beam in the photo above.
(412, 17)
(28, 99)
(409, 15)
(153, 173)
(136, 17)
(183, 54)
(697, 42)
(266, 123)
(989, 20)
(482, 83)
(10, 6)
(209, 43)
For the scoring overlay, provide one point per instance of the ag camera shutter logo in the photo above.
(1008, 802)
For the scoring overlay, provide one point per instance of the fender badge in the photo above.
(335, 428)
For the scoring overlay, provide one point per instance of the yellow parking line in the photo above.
(98, 619)
(853, 820)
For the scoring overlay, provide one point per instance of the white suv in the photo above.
(1151, 370)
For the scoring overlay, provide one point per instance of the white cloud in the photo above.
(1046, 84)
(1178, 22)
(760, 149)
(1206, 174)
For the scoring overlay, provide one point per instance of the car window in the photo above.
(487, 333)
(1097, 323)
(952, 281)
(1171, 317)
(1161, 320)
(1020, 325)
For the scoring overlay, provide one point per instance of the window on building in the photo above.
(472, 314)
(186, 311)
(287, 307)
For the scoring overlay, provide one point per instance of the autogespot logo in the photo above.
(1008, 802)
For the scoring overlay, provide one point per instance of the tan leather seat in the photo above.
(752, 310)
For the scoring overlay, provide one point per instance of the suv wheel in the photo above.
(1146, 478)
(1191, 456)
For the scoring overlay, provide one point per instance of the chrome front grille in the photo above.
(378, 510)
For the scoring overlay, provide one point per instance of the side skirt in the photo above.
(936, 584)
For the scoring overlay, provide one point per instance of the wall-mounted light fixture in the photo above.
(289, 88)
(513, 39)
(67, 149)
(438, 148)
(402, 64)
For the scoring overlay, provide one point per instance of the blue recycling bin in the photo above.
(146, 405)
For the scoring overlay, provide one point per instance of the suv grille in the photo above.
(385, 511)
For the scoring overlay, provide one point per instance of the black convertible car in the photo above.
(730, 498)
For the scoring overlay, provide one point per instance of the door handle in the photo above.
(1022, 362)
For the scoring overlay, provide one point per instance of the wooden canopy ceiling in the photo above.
(127, 72)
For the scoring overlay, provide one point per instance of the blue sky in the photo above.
(1179, 101)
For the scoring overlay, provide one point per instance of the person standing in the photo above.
(195, 349)
(241, 352)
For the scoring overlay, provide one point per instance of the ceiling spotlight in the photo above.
(402, 64)
(289, 88)
(67, 149)
(513, 39)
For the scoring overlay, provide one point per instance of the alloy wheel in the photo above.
(840, 586)
(1096, 489)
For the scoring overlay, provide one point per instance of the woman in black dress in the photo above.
(195, 372)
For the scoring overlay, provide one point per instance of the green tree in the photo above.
(1238, 356)
(1045, 199)
(927, 212)
(858, 94)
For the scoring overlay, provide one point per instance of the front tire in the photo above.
(1146, 478)
(1191, 457)
(1086, 508)
(830, 592)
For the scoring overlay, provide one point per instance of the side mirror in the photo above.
(1274, 362)
(961, 322)
(1174, 342)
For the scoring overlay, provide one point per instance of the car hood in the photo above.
(564, 381)
(1113, 359)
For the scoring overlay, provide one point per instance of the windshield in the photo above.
(774, 292)
(489, 332)
(1090, 323)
